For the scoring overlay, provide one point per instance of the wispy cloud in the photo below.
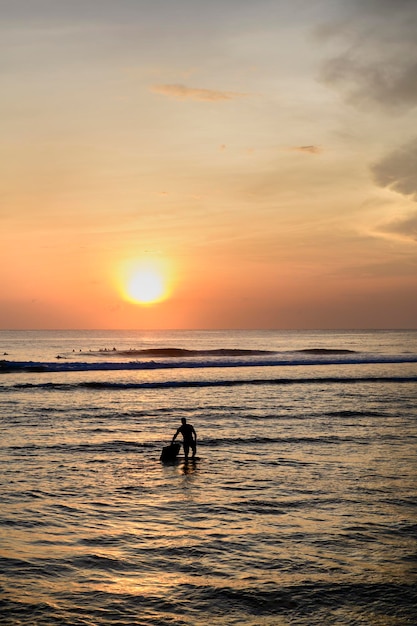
(307, 149)
(182, 92)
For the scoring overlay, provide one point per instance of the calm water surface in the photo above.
(300, 509)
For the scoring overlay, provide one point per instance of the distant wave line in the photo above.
(212, 442)
(111, 386)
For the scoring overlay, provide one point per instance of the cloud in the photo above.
(398, 170)
(391, 84)
(181, 92)
(308, 149)
(404, 227)
(377, 61)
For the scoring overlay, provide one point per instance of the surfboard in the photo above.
(169, 453)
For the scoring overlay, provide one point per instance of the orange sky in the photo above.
(264, 155)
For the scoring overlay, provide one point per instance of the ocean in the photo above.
(300, 508)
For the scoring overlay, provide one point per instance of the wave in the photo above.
(326, 351)
(209, 601)
(182, 352)
(310, 357)
(169, 352)
(111, 386)
(153, 448)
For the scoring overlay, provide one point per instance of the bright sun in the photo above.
(146, 286)
(145, 282)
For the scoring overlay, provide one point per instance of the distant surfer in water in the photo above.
(189, 436)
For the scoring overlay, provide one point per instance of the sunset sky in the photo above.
(260, 157)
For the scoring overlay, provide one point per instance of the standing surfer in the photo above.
(189, 437)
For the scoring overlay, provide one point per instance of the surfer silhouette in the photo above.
(189, 437)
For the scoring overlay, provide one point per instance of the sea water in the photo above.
(299, 510)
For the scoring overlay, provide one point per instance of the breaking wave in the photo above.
(214, 358)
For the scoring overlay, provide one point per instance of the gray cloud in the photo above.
(387, 7)
(406, 227)
(377, 62)
(398, 170)
(376, 65)
(181, 92)
(391, 84)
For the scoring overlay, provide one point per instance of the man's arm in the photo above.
(175, 436)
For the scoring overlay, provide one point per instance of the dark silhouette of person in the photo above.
(189, 437)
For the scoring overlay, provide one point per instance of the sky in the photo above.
(257, 160)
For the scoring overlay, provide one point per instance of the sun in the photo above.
(144, 282)
(146, 286)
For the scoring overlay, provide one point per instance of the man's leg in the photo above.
(186, 449)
